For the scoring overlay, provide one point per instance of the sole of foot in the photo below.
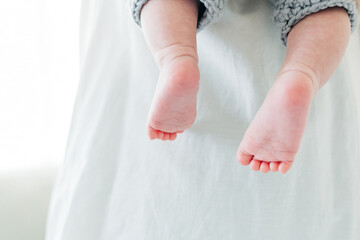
(173, 108)
(273, 138)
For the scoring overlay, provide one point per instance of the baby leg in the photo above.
(315, 47)
(169, 27)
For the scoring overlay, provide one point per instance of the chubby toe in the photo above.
(172, 136)
(160, 134)
(284, 167)
(166, 136)
(264, 167)
(274, 166)
(244, 158)
(255, 165)
(153, 133)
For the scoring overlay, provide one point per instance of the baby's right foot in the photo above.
(170, 32)
(173, 108)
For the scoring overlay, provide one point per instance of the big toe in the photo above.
(153, 133)
(243, 157)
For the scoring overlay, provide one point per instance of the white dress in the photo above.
(117, 184)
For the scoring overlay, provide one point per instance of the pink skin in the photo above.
(174, 106)
(273, 138)
(172, 41)
(275, 133)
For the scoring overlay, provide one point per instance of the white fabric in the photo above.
(24, 201)
(117, 184)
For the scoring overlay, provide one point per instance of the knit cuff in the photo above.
(287, 13)
(208, 11)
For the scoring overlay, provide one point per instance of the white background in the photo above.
(38, 80)
(39, 74)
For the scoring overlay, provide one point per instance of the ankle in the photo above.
(307, 72)
(173, 52)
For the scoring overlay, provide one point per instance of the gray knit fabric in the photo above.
(286, 12)
(210, 13)
(289, 12)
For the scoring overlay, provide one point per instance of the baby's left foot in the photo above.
(273, 138)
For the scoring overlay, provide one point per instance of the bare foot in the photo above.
(273, 138)
(174, 104)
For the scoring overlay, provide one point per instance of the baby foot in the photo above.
(174, 105)
(273, 138)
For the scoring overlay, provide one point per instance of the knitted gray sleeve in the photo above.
(209, 11)
(289, 12)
